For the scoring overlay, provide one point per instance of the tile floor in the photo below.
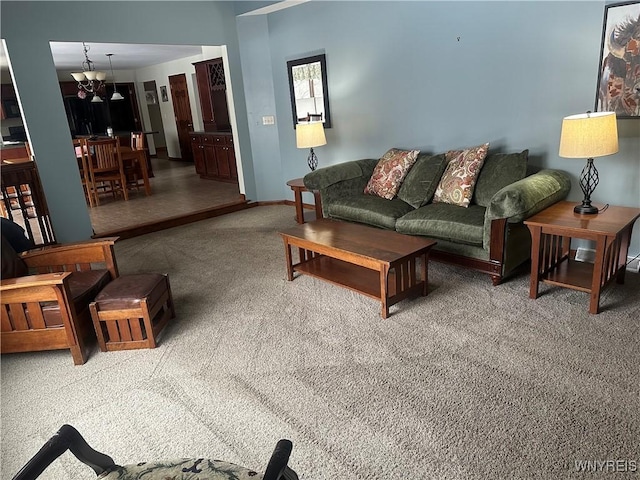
(176, 190)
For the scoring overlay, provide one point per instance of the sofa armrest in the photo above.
(325, 177)
(73, 256)
(520, 200)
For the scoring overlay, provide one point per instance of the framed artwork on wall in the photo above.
(308, 89)
(163, 93)
(151, 96)
(618, 87)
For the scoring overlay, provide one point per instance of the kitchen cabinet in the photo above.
(214, 156)
(212, 90)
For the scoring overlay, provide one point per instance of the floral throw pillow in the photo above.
(459, 178)
(390, 171)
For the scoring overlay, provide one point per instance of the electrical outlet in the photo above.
(585, 255)
(268, 120)
(633, 264)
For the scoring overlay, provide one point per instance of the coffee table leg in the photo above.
(287, 254)
(384, 293)
(425, 274)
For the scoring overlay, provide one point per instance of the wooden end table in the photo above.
(380, 264)
(551, 260)
(298, 186)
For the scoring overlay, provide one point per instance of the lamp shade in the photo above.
(589, 135)
(309, 135)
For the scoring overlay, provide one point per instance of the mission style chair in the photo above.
(45, 295)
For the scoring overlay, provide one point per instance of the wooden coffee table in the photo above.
(380, 264)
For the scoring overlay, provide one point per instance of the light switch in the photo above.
(268, 120)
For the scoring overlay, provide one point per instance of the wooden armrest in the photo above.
(40, 280)
(35, 288)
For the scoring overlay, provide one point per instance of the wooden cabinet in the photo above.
(214, 157)
(212, 89)
(198, 154)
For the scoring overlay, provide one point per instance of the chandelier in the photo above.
(89, 80)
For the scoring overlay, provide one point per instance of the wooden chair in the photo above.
(82, 154)
(106, 167)
(68, 438)
(45, 295)
(133, 171)
(137, 141)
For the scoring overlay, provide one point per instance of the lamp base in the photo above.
(312, 160)
(588, 181)
(585, 209)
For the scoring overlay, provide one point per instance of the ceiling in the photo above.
(126, 56)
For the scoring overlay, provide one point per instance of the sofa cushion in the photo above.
(420, 183)
(459, 178)
(83, 287)
(390, 172)
(445, 221)
(369, 209)
(498, 171)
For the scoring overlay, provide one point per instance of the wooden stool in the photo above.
(131, 311)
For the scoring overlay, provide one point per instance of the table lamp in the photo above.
(309, 135)
(589, 135)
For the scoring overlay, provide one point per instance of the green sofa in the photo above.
(488, 236)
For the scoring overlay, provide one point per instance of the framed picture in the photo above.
(619, 73)
(308, 89)
(163, 93)
(151, 96)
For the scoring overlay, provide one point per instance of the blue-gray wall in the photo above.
(442, 75)
(428, 75)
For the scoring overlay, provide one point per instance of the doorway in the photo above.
(155, 115)
(182, 111)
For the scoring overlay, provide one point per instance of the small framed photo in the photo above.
(619, 73)
(151, 96)
(163, 93)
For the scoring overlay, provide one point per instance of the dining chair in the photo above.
(106, 167)
(133, 170)
(137, 141)
(83, 157)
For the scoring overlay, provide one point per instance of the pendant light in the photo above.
(116, 95)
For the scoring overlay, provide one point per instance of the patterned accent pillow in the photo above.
(390, 171)
(459, 179)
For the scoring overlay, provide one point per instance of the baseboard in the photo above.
(290, 203)
(588, 255)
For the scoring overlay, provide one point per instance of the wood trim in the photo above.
(177, 221)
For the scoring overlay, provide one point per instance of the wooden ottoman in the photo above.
(131, 311)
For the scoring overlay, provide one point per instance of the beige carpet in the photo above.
(471, 382)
